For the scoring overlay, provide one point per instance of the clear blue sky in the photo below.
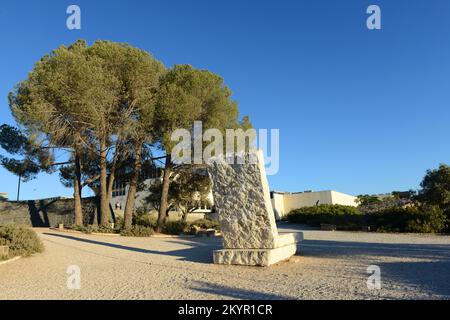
(359, 111)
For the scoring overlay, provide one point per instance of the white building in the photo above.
(285, 202)
(120, 194)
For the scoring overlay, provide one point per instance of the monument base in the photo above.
(255, 257)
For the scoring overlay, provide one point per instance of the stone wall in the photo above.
(46, 213)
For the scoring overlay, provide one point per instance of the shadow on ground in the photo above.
(236, 293)
(200, 250)
(429, 273)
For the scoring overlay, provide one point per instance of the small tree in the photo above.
(187, 95)
(189, 190)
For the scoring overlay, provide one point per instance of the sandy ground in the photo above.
(330, 265)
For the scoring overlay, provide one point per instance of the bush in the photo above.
(137, 231)
(95, 229)
(118, 224)
(343, 216)
(145, 219)
(206, 224)
(415, 219)
(20, 240)
(174, 227)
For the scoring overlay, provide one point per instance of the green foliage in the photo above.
(187, 95)
(21, 241)
(367, 199)
(329, 214)
(144, 219)
(436, 189)
(95, 229)
(137, 231)
(174, 227)
(189, 190)
(32, 157)
(206, 224)
(415, 219)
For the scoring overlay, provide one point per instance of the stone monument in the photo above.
(247, 220)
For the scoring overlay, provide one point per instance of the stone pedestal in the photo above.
(257, 257)
(247, 221)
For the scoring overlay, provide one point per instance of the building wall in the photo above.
(283, 203)
(278, 205)
(343, 199)
(122, 198)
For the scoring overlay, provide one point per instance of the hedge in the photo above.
(415, 219)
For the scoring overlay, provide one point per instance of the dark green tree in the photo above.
(435, 189)
(29, 158)
(187, 95)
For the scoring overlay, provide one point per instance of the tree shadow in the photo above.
(430, 273)
(237, 293)
(339, 249)
(432, 277)
(195, 253)
(38, 220)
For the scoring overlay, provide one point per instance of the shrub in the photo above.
(118, 224)
(145, 219)
(79, 228)
(174, 227)
(206, 224)
(95, 229)
(103, 229)
(416, 219)
(344, 216)
(137, 231)
(21, 241)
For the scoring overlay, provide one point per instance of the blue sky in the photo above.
(359, 111)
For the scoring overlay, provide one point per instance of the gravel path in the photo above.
(331, 265)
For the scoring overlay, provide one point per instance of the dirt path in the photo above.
(331, 265)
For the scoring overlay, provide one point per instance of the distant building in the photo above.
(120, 191)
(120, 194)
(285, 202)
(3, 196)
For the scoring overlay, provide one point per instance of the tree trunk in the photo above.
(129, 207)
(104, 199)
(77, 191)
(112, 175)
(164, 194)
(184, 215)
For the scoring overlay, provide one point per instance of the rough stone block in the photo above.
(254, 257)
(247, 221)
